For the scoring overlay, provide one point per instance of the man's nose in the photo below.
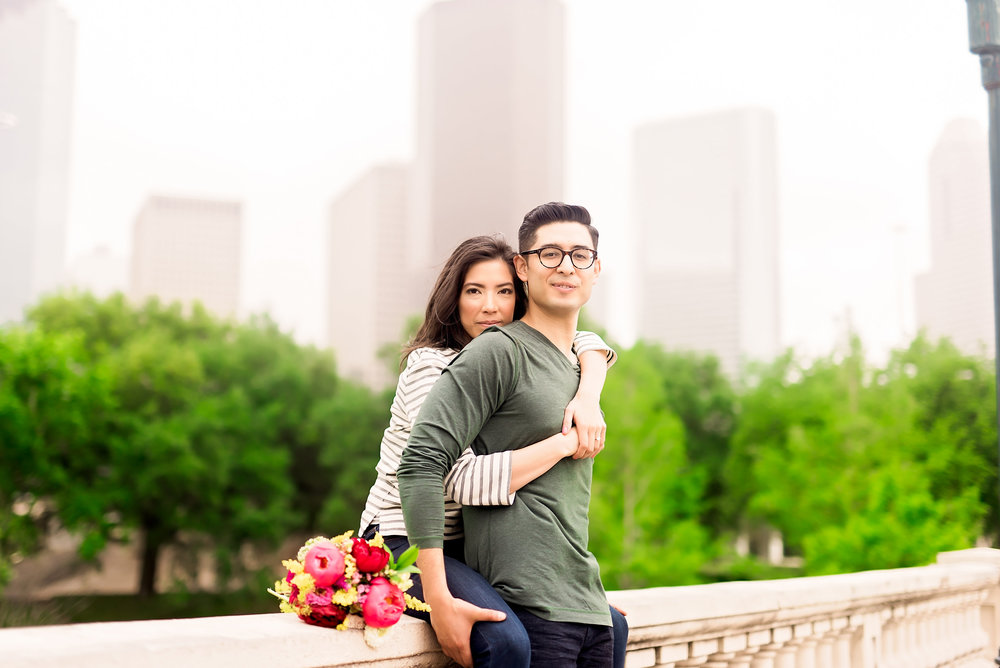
(566, 264)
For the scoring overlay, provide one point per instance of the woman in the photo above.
(477, 289)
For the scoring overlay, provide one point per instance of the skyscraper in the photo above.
(490, 126)
(705, 202)
(954, 297)
(186, 249)
(369, 286)
(37, 46)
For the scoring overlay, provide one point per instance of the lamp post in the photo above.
(984, 41)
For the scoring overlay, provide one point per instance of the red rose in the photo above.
(370, 559)
(325, 563)
(324, 611)
(329, 615)
(384, 605)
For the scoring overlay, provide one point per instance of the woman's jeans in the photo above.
(493, 644)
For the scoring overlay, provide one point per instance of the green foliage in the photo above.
(353, 422)
(123, 422)
(698, 393)
(172, 425)
(53, 416)
(868, 468)
(647, 492)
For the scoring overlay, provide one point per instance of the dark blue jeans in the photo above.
(501, 644)
(567, 644)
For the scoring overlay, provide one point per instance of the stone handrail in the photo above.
(945, 614)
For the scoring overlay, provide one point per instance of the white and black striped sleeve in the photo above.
(584, 342)
(480, 480)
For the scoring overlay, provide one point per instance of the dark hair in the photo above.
(442, 326)
(553, 212)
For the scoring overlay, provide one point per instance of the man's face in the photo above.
(563, 288)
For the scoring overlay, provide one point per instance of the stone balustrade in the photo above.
(946, 614)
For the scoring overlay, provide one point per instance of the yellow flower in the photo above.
(305, 583)
(345, 596)
(416, 604)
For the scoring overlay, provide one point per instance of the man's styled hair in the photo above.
(553, 212)
(442, 326)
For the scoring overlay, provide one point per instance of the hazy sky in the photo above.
(283, 105)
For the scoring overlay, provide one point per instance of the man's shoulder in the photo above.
(494, 346)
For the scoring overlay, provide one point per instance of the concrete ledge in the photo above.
(278, 640)
(662, 620)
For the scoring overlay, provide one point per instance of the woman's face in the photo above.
(487, 297)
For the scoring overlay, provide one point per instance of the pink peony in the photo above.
(384, 605)
(370, 559)
(324, 563)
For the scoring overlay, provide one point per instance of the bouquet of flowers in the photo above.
(346, 582)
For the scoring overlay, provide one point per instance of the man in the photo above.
(510, 386)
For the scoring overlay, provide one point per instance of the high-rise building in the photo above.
(186, 249)
(705, 202)
(490, 121)
(954, 297)
(37, 47)
(370, 289)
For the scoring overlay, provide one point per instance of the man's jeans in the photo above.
(567, 644)
(494, 644)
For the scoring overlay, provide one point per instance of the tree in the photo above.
(189, 452)
(53, 448)
(861, 467)
(698, 392)
(644, 518)
(350, 428)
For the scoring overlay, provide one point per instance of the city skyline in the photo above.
(954, 297)
(37, 65)
(188, 249)
(705, 202)
(223, 116)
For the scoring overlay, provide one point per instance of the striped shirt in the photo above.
(473, 480)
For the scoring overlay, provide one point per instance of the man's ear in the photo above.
(521, 267)
(597, 268)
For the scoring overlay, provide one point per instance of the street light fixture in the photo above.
(984, 41)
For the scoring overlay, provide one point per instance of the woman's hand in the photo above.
(585, 413)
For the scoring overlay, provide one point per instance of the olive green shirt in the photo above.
(508, 388)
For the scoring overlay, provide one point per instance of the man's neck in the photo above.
(560, 329)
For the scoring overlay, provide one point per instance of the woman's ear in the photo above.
(521, 267)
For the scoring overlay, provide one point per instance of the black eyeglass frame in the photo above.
(538, 252)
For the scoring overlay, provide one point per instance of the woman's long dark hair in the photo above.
(442, 326)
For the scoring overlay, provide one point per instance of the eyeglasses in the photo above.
(553, 256)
